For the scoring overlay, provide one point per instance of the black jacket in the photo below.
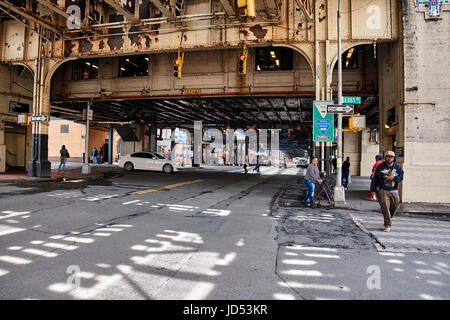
(383, 170)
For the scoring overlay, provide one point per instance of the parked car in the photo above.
(148, 161)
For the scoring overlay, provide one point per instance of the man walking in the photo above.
(246, 162)
(345, 172)
(386, 178)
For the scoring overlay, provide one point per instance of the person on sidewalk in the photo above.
(94, 155)
(345, 172)
(378, 160)
(64, 156)
(334, 163)
(100, 156)
(312, 176)
(385, 183)
(246, 162)
(256, 168)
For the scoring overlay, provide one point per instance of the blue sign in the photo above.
(323, 125)
(434, 7)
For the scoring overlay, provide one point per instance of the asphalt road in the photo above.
(211, 233)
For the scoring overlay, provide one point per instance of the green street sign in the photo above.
(351, 100)
(323, 122)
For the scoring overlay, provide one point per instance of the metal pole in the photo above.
(110, 144)
(339, 194)
(86, 167)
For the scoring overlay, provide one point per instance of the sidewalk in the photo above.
(72, 172)
(358, 191)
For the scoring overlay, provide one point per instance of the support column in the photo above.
(153, 143)
(198, 137)
(110, 144)
(39, 166)
(2, 150)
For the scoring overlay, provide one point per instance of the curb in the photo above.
(21, 180)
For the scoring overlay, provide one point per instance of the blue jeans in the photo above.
(310, 194)
(345, 175)
(94, 159)
(62, 163)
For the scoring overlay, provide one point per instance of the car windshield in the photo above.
(302, 154)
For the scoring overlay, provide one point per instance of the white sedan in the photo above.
(148, 161)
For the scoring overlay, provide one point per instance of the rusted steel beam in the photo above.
(61, 11)
(228, 7)
(164, 10)
(127, 14)
(306, 7)
(29, 15)
(121, 10)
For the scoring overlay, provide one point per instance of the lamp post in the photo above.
(339, 193)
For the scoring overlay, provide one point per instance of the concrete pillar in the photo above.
(39, 166)
(368, 152)
(153, 143)
(110, 144)
(2, 150)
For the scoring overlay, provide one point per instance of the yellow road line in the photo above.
(168, 186)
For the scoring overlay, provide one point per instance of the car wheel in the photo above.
(128, 166)
(167, 168)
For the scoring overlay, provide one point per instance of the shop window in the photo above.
(64, 128)
(85, 69)
(273, 59)
(133, 66)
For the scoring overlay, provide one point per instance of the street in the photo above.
(209, 233)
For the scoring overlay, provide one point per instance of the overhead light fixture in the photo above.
(258, 68)
(94, 66)
(272, 53)
(122, 68)
(386, 126)
(127, 60)
(87, 63)
(277, 62)
(146, 58)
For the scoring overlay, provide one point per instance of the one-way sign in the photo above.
(38, 118)
(340, 108)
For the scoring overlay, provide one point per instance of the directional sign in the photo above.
(323, 122)
(351, 100)
(39, 118)
(340, 108)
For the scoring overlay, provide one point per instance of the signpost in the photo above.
(340, 108)
(39, 118)
(323, 122)
(351, 100)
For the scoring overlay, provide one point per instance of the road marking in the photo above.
(129, 202)
(168, 186)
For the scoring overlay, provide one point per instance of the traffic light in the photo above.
(249, 6)
(178, 65)
(242, 60)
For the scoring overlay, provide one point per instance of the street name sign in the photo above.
(340, 108)
(323, 122)
(39, 118)
(351, 100)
